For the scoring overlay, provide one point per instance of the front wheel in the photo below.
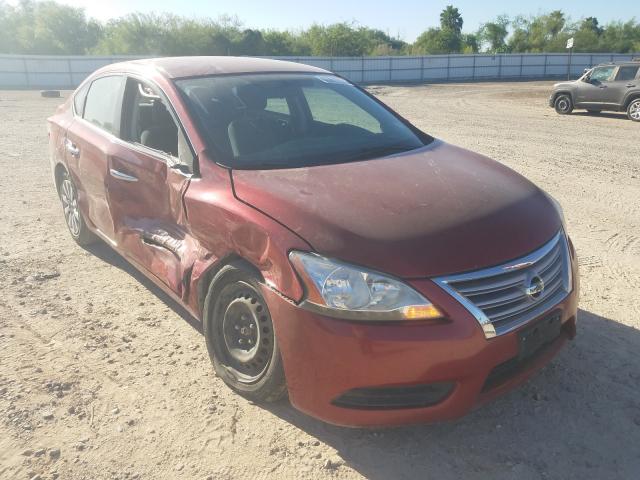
(633, 110)
(72, 214)
(563, 104)
(240, 337)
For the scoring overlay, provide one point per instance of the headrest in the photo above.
(159, 113)
(253, 97)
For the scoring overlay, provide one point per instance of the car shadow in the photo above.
(107, 254)
(616, 115)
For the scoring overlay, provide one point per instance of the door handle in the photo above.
(603, 86)
(122, 176)
(72, 148)
(631, 85)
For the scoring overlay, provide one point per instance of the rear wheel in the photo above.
(563, 104)
(633, 110)
(240, 337)
(72, 214)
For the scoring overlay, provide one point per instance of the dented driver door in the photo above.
(146, 184)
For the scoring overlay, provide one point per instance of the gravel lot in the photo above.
(102, 377)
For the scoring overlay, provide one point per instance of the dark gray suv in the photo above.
(611, 86)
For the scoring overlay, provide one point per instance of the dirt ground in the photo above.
(102, 377)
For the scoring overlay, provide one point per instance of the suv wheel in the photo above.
(633, 110)
(240, 338)
(563, 104)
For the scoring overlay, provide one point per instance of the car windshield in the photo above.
(256, 121)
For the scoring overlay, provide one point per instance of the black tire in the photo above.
(633, 110)
(240, 337)
(76, 224)
(50, 93)
(594, 112)
(563, 104)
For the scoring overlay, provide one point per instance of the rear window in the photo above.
(269, 120)
(627, 73)
(329, 106)
(103, 104)
(278, 105)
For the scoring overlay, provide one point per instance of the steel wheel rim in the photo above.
(247, 333)
(634, 110)
(69, 200)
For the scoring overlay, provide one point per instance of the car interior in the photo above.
(239, 121)
(148, 122)
(257, 122)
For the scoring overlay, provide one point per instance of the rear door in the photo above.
(148, 174)
(624, 83)
(90, 143)
(597, 93)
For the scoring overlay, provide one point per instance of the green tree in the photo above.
(450, 19)
(285, 43)
(437, 41)
(470, 43)
(623, 37)
(46, 28)
(249, 42)
(494, 34)
(446, 39)
(344, 39)
(591, 24)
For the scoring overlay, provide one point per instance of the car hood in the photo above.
(564, 85)
(432, 211)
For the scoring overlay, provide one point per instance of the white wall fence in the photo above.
(41, 71)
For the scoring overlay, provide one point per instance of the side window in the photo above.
(148, 121)
(626, 73)
(78, 99)
(104, 103)
(602, 74)
(328, 106)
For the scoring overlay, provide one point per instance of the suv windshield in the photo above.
(293, 120)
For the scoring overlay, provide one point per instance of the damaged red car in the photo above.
(334, 252)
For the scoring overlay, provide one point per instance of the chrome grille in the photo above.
(506, 296)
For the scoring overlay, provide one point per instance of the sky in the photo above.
(405, 19)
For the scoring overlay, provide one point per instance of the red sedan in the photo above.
(332, 250)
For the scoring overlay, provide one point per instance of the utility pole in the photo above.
(570, 47)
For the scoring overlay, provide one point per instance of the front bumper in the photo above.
(324, 358)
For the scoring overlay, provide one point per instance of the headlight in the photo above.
(340, 290)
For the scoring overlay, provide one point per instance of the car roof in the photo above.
(179, 67)
(632, 63)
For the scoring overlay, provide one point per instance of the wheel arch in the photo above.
(58, 172)
(563, 92)
(204, 280)
(630, 98)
